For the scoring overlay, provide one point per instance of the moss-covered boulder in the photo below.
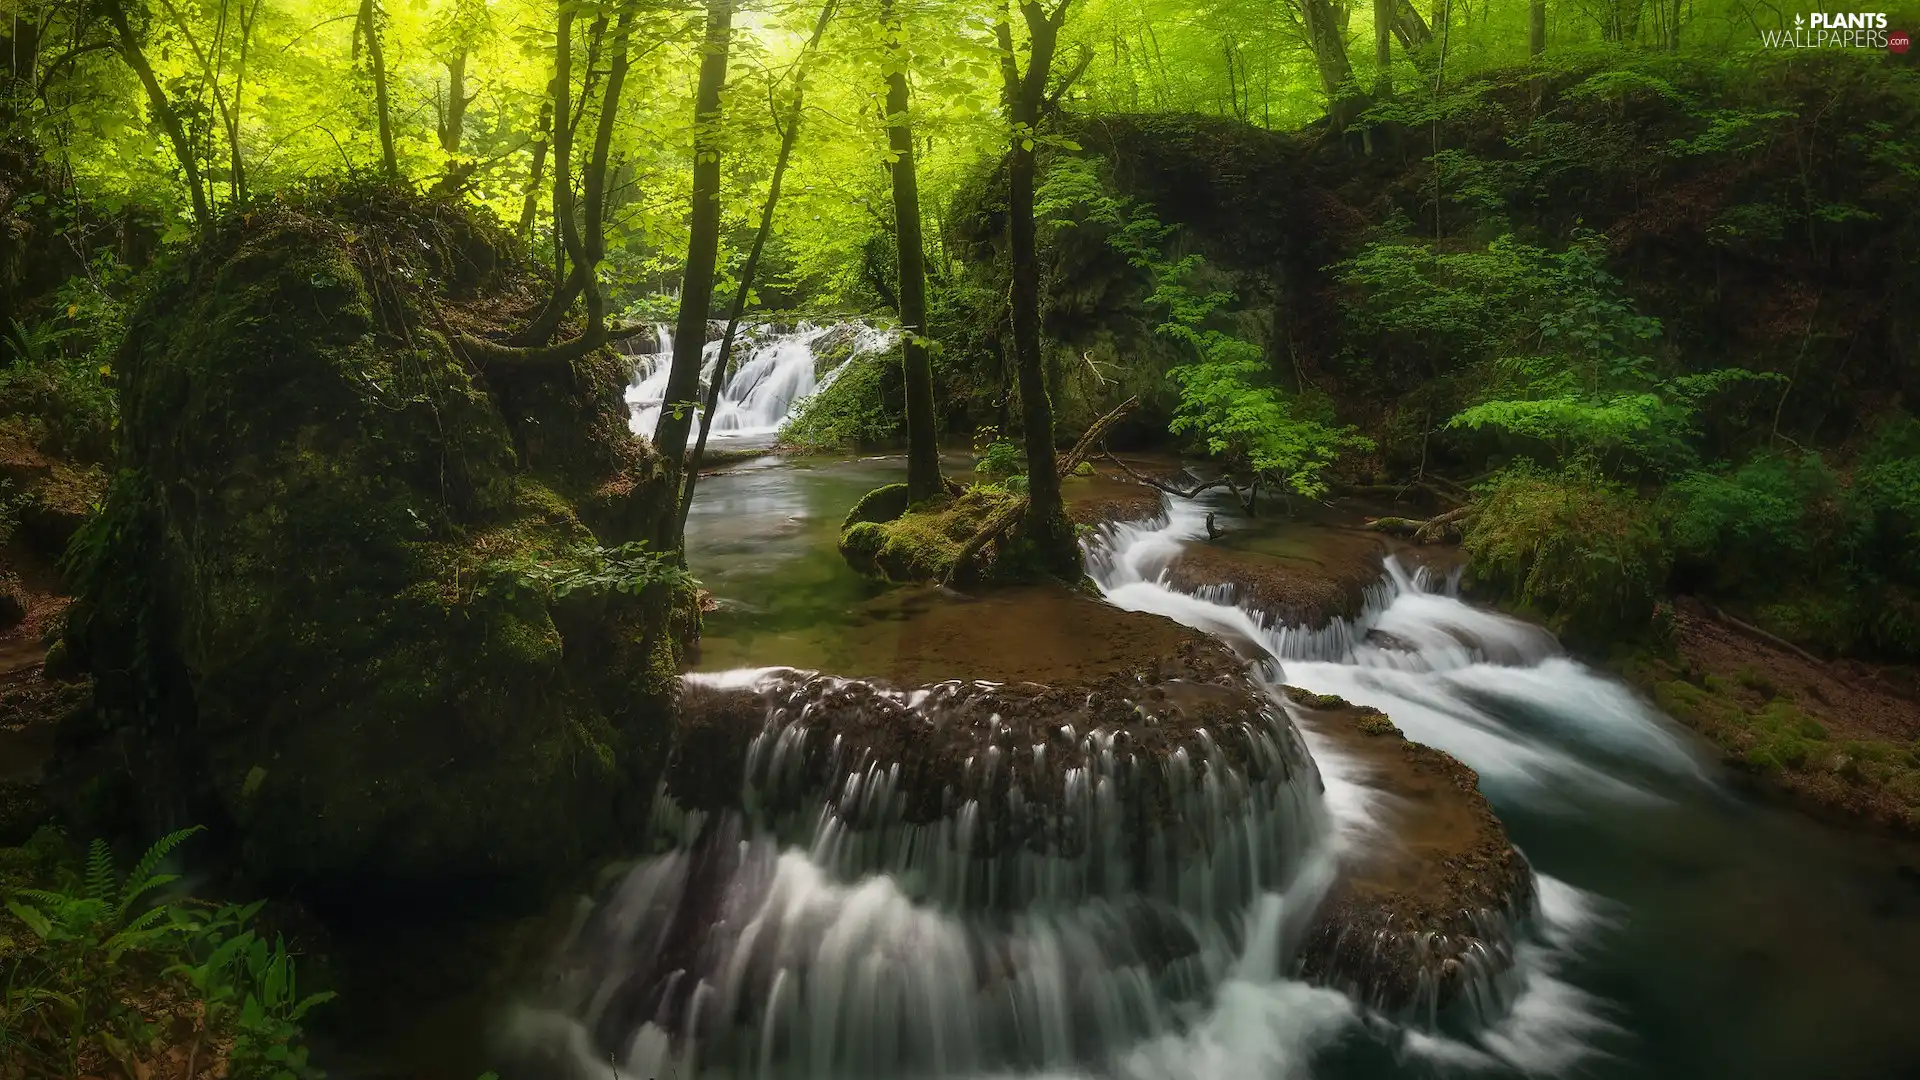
(374, 609)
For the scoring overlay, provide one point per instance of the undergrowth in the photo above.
(109, 972)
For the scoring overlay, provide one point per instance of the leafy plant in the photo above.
(629, 568)
(101, 969)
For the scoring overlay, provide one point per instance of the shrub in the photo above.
(1587, 551)
(105, 975)
(1744, 524)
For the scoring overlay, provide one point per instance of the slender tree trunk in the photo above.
(1383, 48)
(788, 134)
(531, 204)
(594, 187)
(162, 110)
(1536, 27)
(567, 286)
(453, 119)
(1046, 526)
(923, 443)
(703, 247)
(370, 27)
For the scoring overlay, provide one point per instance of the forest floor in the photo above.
(1841, 738)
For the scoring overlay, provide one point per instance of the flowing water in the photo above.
(773, 370)
(1682, 930)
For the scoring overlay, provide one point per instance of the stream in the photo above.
(1683, 929)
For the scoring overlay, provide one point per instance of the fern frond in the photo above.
(142, 879)
(101, 879)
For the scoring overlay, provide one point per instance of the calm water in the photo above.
(1687, 931)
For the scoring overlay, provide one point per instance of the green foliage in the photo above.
(57, 373)
(1584, 550)
(629, 568)
(102, 969)
(1747, 523)
(1566, 364)
(1230, 403)
(997, 456)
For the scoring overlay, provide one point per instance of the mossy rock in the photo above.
(921, 543)
(310, 596)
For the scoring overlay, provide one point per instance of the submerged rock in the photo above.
(355, 601)
(1310, 577)
(1430, 912)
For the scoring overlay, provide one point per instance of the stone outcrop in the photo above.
(1435, 905)
(366, 608)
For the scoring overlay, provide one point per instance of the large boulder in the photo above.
(374, 611)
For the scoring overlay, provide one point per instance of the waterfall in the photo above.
(774, 370)
(854, 881)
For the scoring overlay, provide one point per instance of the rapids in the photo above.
(1681, 930)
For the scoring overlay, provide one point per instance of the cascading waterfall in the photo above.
(1015, 893)
(774, 370)
(847, 908)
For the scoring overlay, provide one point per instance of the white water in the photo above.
(802, 962)
(773, 373)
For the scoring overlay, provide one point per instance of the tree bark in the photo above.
(788, 135)
(162, 110)
(531, 205)
(923, 444)
(1329, 43)
(370, 28)
(1383, 48)
(1046, 525)
(703, 245)
(1536, 27)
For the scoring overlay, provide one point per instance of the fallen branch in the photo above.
(1422, 530)
(1094, 434)
(997, 524)
(1014, 511)
(1763, 636)
(1175, 489)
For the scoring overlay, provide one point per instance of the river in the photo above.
(1683, 928)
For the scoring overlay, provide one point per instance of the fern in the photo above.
(142, 879)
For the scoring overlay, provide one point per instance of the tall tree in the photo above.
(923, 447)
(1326, 31)
(161, 108)
(1536, 27)
(1046, 526)
(368, 26)
(703, 248)
(789, 133)
(1383, 48)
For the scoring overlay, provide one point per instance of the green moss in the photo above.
(327, 598)
(921, 544)
(883, 503)
(1307, 699)
(1373, 722)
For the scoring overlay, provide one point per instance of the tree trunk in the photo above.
(1046, 525)
(923, 443)
(1409, 27)
(162, 110)
(1536, 27)
(1383, 48)
(703, 244)
(1329, 43)
(531, 205)
(788, 135)
(370, 27)
(453, 119)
